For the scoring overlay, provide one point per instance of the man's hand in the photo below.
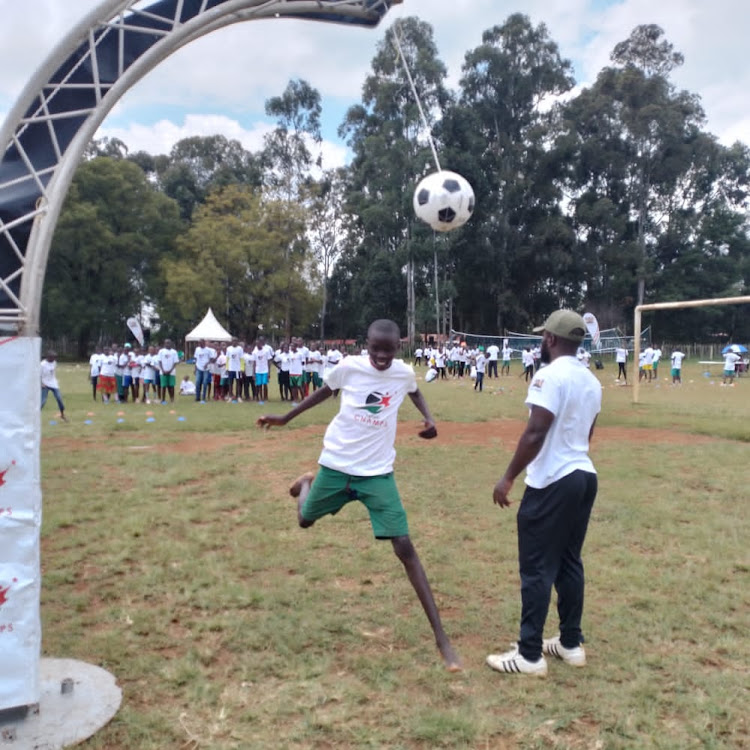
(271, 420)
(501, 491)
(429, 431)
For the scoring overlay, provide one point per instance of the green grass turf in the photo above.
(170, 557)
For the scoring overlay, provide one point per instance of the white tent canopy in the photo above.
(209, 329)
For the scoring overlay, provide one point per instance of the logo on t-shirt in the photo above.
(376, 402)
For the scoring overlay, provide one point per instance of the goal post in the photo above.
(670, 306)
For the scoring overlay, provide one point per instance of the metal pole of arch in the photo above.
(670, 306)
(53, 703)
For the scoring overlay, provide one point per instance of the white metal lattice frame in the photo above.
(124, 18)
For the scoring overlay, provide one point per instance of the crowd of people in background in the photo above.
(236, 371)
(239, 371)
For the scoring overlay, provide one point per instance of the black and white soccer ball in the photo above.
(444, 200)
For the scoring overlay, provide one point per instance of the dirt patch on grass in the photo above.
(453, 433)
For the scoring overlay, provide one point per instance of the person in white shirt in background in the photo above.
(479, 362)
(168, 359)
(655, 363)
(263, 355)
(676, 359)
(106, 384)
(332, 358)
(621, 357)
(527, 360)
(418, 357)
(148, 374)
(730, 363)
(204, 356)
(95, 366)
(493, 352)
(315, 366)
(648, 365)
(187, 387)
(49, 383)
(234, 371)
(506, 352)
(136, 371)
(281, 360)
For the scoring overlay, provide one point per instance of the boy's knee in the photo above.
(403, 548)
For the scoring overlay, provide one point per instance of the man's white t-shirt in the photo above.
(621, 355)
(492, 352)
(507, 351)
(648, 356)
(109, 363)
(262, 357)
(234, 355)
(360, 441)
(203, 357)
(677, 358)
(49, 378)
(481, 360)
(296, 361)
(574, 395)
(168, 359)
(95, 363)
(730, 360)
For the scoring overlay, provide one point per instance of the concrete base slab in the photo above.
(76, 700)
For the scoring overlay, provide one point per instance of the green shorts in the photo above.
(167, 381)
(296, 381)
(332, 490)
(675, 372)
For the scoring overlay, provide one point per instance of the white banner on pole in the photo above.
(20, 522)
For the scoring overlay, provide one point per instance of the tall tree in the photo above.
(513, 260)
(104, 259)
(391, 154)
(632, 139)
(246, 257)
(199, 164)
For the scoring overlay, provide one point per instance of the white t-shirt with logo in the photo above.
(492, 352)
(95, 363)
(677, 358)
(360, 440)
(621, 355)
(574, 395)
(730, 360)
(203, 357)
(262, 357)
(168, 359)
(234, 355)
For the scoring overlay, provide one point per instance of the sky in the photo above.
(220, 82)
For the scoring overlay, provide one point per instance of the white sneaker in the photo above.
(511, 662)
(576, 657)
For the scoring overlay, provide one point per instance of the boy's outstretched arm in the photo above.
(279, 420)
(430, 430)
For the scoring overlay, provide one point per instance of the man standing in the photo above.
(493, 352)
(564, 400)
(621, 357)
(168, 359)
(49, 383)
(263, 355)
(677, 357)
(204, 356)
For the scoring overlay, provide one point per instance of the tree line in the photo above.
(602, 199)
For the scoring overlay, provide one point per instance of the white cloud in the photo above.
(160, 137)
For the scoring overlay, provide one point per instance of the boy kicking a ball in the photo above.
(358, 454)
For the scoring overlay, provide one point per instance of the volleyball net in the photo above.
(609, 340)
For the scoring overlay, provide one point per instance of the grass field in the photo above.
(171, 558)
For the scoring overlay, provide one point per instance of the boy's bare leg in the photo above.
(299, 489)
(404, 549)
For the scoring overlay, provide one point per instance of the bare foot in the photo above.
(300, 482)
(450, 658)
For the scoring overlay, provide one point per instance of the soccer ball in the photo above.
(430, 375)
(444, 200)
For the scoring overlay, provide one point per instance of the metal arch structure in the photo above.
(62, 106)
(43, 139)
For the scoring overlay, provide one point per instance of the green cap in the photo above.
(566, 324)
